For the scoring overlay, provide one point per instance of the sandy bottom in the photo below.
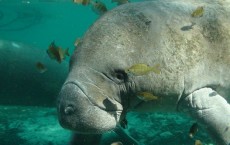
(39, 126)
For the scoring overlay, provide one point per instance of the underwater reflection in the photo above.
(15, 19)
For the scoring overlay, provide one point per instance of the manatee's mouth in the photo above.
(93, 103)
(78, 112)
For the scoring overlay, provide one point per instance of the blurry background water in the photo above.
(27, 97)
(38, 22)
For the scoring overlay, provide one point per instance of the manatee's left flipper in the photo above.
(210, 109)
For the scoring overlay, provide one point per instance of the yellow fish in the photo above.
(56, 52)
(198, 142)
(146, 96)
(41, 67)
(143, 69)
(98, 7)
(198, 12)
(83, 2)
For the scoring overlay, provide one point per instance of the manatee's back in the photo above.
(195, 49)
(190, 49)
(193, 52)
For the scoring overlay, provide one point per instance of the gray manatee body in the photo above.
(195, 65)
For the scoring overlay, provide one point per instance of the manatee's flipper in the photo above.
(95, 139)
(125, 138)
(211, 110)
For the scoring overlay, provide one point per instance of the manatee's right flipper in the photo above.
(95, 139)
(210, 109)
(125, 138)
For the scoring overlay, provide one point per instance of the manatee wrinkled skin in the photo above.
(195, 66)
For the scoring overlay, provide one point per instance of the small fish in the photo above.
(52, 52)
(117, 143)
(198, 12)
(57, 53)
(188, 27)
(146, 96)
(83, 2)
(143, 69)
(193, 130)
(120, 2)
(98, 7)
(41, 67)
(198, 142)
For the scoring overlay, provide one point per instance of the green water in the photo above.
(27, 99)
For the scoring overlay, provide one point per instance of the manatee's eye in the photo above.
(121, 75)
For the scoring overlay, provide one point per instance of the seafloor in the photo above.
(39, 126)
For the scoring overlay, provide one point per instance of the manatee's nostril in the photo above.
(69, 110)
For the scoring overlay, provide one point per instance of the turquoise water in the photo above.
(33, 25)
(27, 98)
(38, 23)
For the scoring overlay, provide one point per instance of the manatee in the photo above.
(21, 82)
(195, 66)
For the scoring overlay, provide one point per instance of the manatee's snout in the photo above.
(67, 105)
(79, 113)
